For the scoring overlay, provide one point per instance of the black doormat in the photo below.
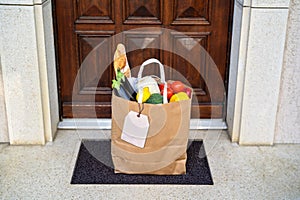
(89, 168)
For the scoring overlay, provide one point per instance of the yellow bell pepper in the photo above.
(146, 94)
(179, 97)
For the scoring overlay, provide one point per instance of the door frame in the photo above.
(219, 123)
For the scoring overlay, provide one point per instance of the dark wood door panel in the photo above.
(85, 48)
(142, 46)
(95, 70)
(193, 45)
(94, 11)
(142, 12)
(191, 12)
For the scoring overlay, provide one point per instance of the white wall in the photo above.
(288, 116)
(28, 71)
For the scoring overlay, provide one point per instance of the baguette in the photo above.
(121, 62)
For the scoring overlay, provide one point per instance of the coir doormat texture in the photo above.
(94, 166)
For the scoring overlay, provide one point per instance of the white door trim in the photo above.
(95, 124)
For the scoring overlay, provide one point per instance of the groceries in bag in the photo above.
(132, 89)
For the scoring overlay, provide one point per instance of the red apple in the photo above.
(188, 91)
(177, 86)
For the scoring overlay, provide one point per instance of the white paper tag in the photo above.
(135, 129)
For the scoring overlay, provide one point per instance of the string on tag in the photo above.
(140, 109)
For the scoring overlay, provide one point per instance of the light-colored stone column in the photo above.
(288, 117)
(259, 71)
(238, 58)
(48, 76)
(3, 120)
(28, 69)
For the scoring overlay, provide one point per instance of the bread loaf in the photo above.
(121, 62)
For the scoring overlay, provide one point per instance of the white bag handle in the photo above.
(162, 76)
(150, 61)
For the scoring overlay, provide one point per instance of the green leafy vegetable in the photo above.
(118, 81)
(116, 84)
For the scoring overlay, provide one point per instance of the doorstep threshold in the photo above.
(95, 124)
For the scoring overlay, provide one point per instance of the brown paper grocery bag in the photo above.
(164, 152)
(165, 148)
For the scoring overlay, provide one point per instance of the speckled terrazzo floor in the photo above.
(44, 172)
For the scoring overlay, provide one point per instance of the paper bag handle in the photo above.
(150, 61)
(162, 75)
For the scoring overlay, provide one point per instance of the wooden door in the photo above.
(81, 25)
